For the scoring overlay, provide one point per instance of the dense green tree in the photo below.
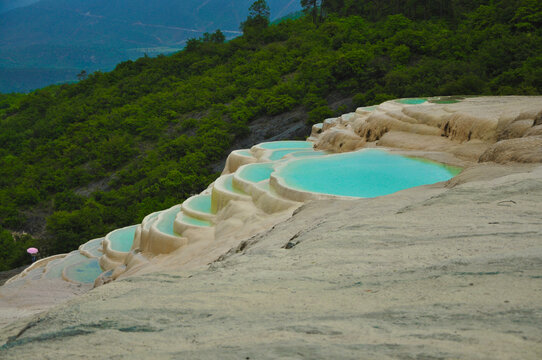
(257, 20)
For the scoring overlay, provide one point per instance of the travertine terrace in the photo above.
(423, 270)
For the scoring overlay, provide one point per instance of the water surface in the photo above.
(122, 239)
(256, 172)
(286, 145)
(366, 173)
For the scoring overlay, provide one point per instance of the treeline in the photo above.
(104, 152)
(454, 11)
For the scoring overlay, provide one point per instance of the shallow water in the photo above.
(279, 154)
(366, 173)
(244, 153)
(286, 145)
(413, 101)
(256, 172)
(54, 269)
(93, 247)
(165, 224)
(193, 221)
(308, 153)
(228, 184)
(122, 239)
(84, 272)
(201, 203)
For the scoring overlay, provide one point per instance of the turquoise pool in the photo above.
(122, 239)
(309, 153)
(201, 203)
(193, 221)
(93, 247)
(286, 145)
(256, 172)
(244, 153)
(228, 184)
(279, 154)
(85, 271)
(366, 173)
(165, 224)
(413, 101)
(55, 267)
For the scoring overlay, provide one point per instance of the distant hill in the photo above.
(7, 5)
(50, 41)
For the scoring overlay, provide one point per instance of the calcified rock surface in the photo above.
(475, 128)
(450, 270)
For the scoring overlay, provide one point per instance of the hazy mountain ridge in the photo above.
(7, 5)
(96, 35)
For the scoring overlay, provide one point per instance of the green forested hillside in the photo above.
(102, 153)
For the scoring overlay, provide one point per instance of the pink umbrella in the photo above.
(32, 250)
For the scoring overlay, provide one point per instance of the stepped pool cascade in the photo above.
(291, 165)
(365, 173)
(257, 183)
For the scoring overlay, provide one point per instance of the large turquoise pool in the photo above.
(366, 173)
(122, 239)
(286, 145)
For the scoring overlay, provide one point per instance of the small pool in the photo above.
(165, 224)
(84, 272)
(256, 172)
(286, 145)
(445, 101)
(201, 203)
(228, 184)
(93, 247)
(279, 154)
(413, 101)
(244, 153)
(122, 239)
(54, 268)
(366, 173)
(193, 221)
